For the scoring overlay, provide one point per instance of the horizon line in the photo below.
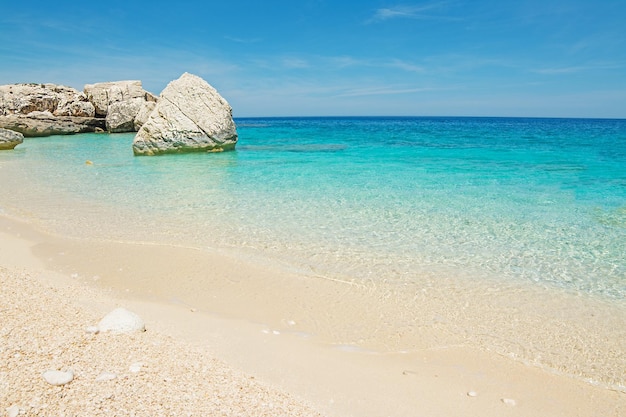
(426, 116)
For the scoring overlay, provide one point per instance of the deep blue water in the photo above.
(531, 200)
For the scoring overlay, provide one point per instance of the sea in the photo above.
(538, 203)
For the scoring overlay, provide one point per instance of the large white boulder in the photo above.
(190, 116)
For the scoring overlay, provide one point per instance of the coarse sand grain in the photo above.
(43, 327)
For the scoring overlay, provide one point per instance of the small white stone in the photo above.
(508, 401)
(121, 320)
(472, 394)
(106, 376)
(135, 367)
(92, 330)
(58, 378)
(13, 411)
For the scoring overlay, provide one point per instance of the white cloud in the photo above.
(242, 40)
(295, 63)
(379, 91)
(397, 63)
(576, 69)
(410, 12)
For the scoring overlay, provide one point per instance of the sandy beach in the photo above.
(44, 317)
(248, 360)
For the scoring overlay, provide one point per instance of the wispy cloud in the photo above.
(345, 61)
(406, 66)
(423, 11)
(295, 63)
(576, 69)
(383, 90)
(243, 40)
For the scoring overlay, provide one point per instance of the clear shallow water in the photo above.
(463, 231)
(367, 199)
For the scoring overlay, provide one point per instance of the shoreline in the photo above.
(262, 339)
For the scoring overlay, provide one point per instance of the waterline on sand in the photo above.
(449, 233)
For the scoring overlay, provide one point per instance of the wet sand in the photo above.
(251, 338)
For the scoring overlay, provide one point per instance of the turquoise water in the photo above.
(365, 199)
(506, 235)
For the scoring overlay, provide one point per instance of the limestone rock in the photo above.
(10, 139)
(80, 107)
(45, 109)
(122, 114)
(102, 95)
(45, 124)
(56, 99)
(190, 116)
(144, 113)
(121, 320)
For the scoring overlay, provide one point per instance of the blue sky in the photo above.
(546, 58)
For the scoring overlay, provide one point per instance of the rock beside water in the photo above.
(119, 102)
(56, 99)
(122, 114)
(10, 139)
(45, 124)
(102, 95)
(50, 109)
(46, 109)
(190, 116)
(144, 113)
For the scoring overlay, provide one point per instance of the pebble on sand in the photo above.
(92, 330)
(58, 378)
(121, 320)
(13, 411)
(135, 367)
(508, 401)
(106, 376)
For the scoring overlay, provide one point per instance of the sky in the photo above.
(523, 58)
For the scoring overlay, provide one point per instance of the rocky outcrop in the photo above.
(121, 115)
(10, 139)
(119, 102)
(102, 95)
(143, 114)
(46, 109)
(49, 109)
(46, 124)
(56, 99)
(190, 116)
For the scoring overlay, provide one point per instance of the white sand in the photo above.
(42, 327)
(261, 370)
